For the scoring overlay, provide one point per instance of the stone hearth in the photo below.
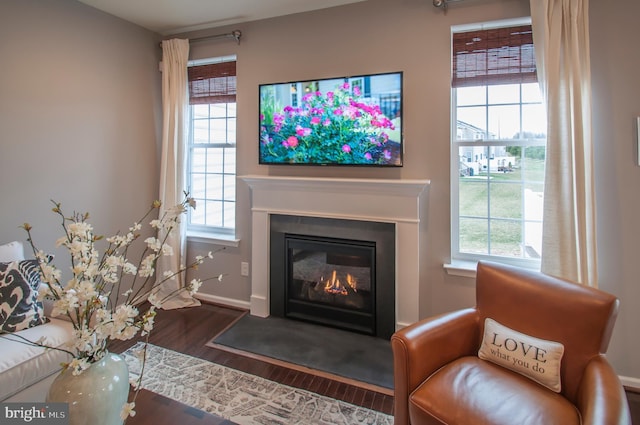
(401, 202)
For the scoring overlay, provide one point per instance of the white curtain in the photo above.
(175, 57)
(561, 39)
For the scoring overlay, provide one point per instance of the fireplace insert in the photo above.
(333, 272)
(331, 281)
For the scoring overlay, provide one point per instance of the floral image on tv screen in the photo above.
(340, 121)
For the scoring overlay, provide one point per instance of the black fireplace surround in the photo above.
(333, 272)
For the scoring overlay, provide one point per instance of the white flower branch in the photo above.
(93, 298)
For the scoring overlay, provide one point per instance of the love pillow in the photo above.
(535, 358)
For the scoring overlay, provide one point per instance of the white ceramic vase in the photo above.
(97, 395)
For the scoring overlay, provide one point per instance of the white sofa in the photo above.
(26, 371)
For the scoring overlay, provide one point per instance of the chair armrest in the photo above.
(601, 397)
(424, 347)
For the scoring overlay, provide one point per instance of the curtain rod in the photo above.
(235, 34)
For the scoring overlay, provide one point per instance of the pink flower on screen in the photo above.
(316, 120)
(356, 91)
(387, 154)
(346, 148)
(367, 156)
(278, 120)
(326, 122)
(352, 112)
(302, 131)
(291, 142)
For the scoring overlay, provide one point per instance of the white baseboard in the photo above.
(401, 325)
(630, 383)
(245, 305)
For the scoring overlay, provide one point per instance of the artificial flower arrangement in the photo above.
(337, 126)
(94, 298)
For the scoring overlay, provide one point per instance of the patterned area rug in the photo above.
(241, 397)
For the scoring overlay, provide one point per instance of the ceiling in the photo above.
(175, 16)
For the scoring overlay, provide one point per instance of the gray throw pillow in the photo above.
(19, 306)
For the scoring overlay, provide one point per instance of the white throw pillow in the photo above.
(535, 358)
(12, 251)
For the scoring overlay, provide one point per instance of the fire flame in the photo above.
(334, 286)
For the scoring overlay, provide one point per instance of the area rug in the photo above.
(358, 357)
(241, 397)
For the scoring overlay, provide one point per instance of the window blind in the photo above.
(494, 56)
(212, 83)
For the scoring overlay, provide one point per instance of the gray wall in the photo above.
(413, 36)
(615, 60)
(367, 37)
(100, 98)
(79, 117)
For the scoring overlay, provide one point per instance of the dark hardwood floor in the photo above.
(634, 404)
(188, 330)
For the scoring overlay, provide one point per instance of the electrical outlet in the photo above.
(244, 268)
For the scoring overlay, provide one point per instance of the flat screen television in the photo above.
(353, 121)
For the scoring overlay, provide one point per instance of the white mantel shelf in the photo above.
(403, 202)
(380, 186)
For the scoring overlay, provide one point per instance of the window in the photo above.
(211, 162)
(498, 146)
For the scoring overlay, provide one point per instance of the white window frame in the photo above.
(463, 263)
(203, 233)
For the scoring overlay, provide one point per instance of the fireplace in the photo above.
(332, 272)
(399, 203)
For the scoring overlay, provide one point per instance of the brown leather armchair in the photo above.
(439, 378)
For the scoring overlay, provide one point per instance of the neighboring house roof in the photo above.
(467, 126)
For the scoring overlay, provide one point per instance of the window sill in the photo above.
(467, 268)
(461, 268)
(213, 238)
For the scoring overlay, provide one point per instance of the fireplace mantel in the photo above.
(402, 202)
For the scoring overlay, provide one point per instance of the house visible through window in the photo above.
(211, 162)
(498, 146)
